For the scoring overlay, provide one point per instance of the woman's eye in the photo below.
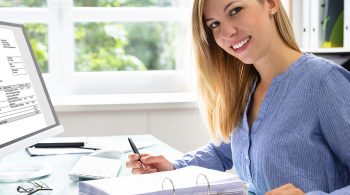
(214, 25)
(235, 11)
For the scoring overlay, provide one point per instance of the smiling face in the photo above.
(243, 28)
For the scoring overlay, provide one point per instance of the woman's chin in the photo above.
(245, 60)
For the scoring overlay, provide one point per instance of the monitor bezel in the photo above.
(49, 131)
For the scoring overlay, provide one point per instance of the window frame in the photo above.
(60, 17)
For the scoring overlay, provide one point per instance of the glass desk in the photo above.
(59, 180)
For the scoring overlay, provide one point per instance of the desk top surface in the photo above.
(62, 164)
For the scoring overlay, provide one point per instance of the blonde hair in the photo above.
(224, 81)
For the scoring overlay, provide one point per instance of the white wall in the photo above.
(182, 128)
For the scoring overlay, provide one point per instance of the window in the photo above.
(23, 3)
(106, 46)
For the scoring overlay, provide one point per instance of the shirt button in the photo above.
(246, 157)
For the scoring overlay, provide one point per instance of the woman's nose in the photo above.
(227, 30)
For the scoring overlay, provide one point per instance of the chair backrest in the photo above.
(346, 65)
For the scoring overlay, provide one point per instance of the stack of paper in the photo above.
(188, 180)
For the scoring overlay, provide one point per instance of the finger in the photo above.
(152, 171)
(284, 189)
(136, 157)
(143, 155)
(295, 191)
(133, 164)
(138, 171)
(133, 157)
(130, 164)
(152, 159)
(286, 186)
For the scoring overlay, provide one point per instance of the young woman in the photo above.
(280, 117)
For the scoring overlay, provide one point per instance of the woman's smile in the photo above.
(241, 45)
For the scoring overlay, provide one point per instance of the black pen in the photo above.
(136, 151)
(59, 145)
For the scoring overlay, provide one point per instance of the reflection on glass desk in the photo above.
(59, 179)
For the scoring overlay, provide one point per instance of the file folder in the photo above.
(188, 180)
(347, 24)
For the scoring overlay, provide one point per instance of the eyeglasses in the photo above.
(32, 186)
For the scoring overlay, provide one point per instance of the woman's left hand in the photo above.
(287, 189)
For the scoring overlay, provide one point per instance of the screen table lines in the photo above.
(17, 102)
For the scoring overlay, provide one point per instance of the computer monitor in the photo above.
(26, 112)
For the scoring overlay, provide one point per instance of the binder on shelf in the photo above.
(317, 8)
(347, 24)
(296, 19)
(188, 180)
(305, 23)
(333, 24)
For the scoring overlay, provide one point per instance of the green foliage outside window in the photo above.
(124, 3)
(127, 46)
(37, 34)
(22, 3)
(111, 46)
(92, 3)
(153, 43)
(98, 51)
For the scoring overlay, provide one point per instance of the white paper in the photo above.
(53, 151)
(184, 181)
(121, 145)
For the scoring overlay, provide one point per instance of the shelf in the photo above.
(318, 22)
(147, 101)
(327, 50)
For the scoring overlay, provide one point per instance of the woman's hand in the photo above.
(150, 163)
(287, 189)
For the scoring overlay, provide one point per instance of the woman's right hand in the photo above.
(151, 164)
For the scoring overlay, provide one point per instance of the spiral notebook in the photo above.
(188, 180)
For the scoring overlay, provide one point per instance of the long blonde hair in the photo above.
(224, 81)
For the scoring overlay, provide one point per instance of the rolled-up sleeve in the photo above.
(211, 156)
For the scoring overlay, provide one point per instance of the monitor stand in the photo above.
(21, 172)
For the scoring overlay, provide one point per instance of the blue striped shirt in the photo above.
(301, 134)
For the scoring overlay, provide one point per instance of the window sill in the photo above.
(109, 102)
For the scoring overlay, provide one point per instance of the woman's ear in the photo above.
(273, 5)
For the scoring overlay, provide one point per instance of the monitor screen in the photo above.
(26, 112)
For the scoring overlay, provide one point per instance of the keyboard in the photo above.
(91, 167)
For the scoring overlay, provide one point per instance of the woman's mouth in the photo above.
(241, 45)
